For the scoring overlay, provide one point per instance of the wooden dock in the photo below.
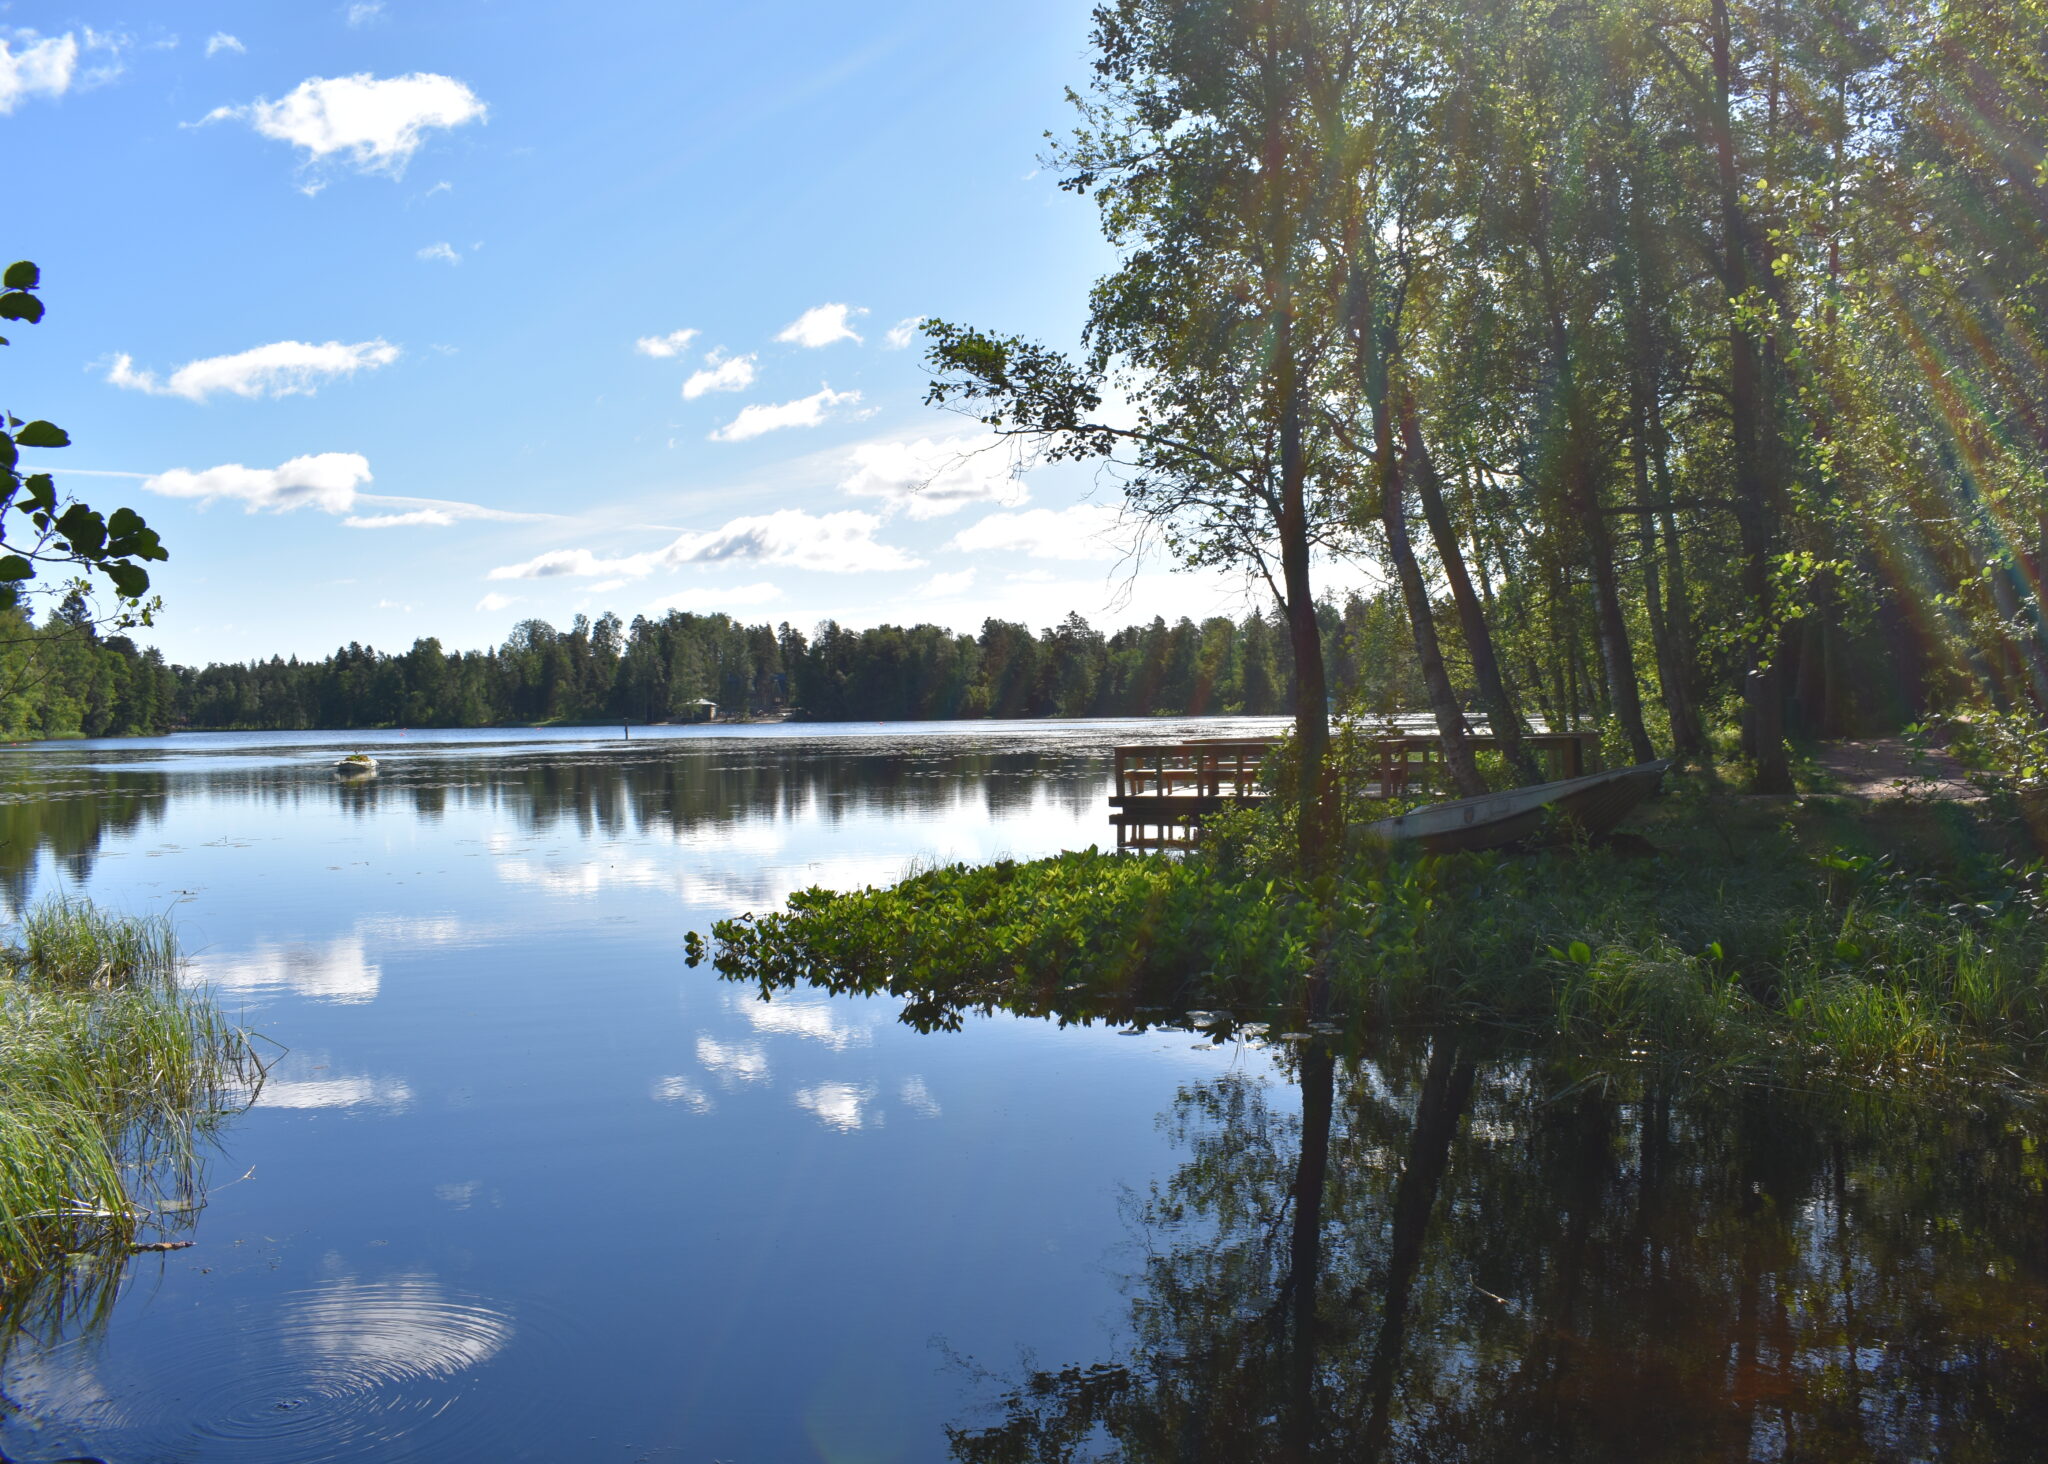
(1165, 790)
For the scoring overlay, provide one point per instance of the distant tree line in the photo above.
(63, 678)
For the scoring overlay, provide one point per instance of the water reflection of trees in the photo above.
(68, 809)
(1449, 1255)
(67, 815)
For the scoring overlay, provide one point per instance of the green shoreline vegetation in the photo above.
(111, 1077)
(1899, 940)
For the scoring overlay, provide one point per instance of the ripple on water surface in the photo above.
(348, 1369)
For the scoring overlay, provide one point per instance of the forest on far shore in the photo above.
(63, 678)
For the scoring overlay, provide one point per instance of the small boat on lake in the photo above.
(1587, 808)
(356, 765)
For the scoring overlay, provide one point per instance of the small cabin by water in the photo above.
(701, 710)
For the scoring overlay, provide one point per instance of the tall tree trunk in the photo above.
(1443, 699)
(1446, 1090)
(1750, 427)
(1673, 678)
(1677, 599)
(1493, 693)
(1316, 833)
(1373, 343)
(1577, 471)
(1305, 1251)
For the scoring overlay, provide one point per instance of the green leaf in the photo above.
(84, 529)
(1581, 953)
(21, 275)
(14, 305)
(14, 567)
(131, 581)
(43, 434)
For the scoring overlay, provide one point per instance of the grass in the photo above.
(110, 1073)
(1897, 940)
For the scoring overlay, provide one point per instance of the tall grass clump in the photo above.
(110, 1076)
(75, 943)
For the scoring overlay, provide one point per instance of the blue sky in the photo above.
(415, 318)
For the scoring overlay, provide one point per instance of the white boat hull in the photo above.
(1587, 807)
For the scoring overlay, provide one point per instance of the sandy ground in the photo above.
(1886, 767)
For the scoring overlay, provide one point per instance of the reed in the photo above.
(110, 1075)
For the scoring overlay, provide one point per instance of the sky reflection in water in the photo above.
(527, 1188)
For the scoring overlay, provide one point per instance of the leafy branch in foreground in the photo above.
(60, 533)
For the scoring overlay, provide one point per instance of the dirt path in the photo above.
(1887, 767)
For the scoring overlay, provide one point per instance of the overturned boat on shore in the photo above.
(1542, 813)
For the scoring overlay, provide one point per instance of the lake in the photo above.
(523, 1186)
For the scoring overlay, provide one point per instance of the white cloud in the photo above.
(221, 41)
(803, 412)
(842, 543)
(929, 479)
(41, 68)
(364, 12)
(338, 970)
(494, 602)
(816, 1020)
(429, 517)
(334, 1093)
(326, 481)
(442, 251)
(393, 605)
(734, 1063)
(944, 586)
(376, 124)
(903, 332)
(682, 1090)
(712, 599)
(837, 1105)
(283, 368)
(558, 563)
(1080, 532)
(671, 344)
(436, 513)
(821, 326)
(725, 373)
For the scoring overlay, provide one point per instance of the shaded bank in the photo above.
(1898, 940)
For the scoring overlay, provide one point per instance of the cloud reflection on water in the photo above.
(338, 971)
(842, 1106)
(734, 1062)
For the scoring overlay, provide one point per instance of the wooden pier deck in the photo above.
(1165, 790)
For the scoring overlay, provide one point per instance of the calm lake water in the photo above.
(525, 1187)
